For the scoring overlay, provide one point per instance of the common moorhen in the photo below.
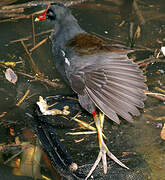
(101, 74)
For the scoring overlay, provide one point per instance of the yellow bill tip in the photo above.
(36, 19)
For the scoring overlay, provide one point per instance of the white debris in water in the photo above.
(44, 108)
(163, 50)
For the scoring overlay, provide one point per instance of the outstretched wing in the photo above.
(114, 85)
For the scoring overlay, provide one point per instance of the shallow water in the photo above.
(101, 17)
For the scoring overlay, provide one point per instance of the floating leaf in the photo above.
(11, 76)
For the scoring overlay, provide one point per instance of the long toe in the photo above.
(104, 152)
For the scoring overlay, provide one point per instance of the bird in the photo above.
(101, 74)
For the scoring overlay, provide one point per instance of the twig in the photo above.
(138, 13)
(33, 31)
(39, 44)
(27, 75)
(160, 90)
(35, 3)
(23, 98)
(20, 16)
(31, 96)
(149, 60)
(16, 18)
(50, 83)
(131, 31)
(29, 37)
(38, 78)
(22, 60)
(9, 147)
(81, 133)
(26, 5)
(73, 3)
(15, 155)
(6, 11)
(32, 64)
(32, 4)
(155, 95)
(159, 16)
(6, 2)
(161, 118)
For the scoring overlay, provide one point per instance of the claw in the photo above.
(94, 165)
(103, 148)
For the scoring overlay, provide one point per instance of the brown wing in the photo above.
(87, 44)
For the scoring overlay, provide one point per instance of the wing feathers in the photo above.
(127, 90)
(103, 103)
(99, 103)
(126, 73)
(115, 103)
(116, 88)
(119, 102)
(114, 83)
(127, 97)
(127, 82)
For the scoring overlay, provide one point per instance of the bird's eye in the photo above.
(50, 15)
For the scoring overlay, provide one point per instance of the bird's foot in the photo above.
(104, 151)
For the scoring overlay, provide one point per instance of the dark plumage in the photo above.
(101, 74)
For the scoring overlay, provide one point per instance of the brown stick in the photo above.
(37, 78)
(6, 2)
(39, 44)
(20, 7)
(155, 95)
(50, 83)
(34, 3)
(138, 13)
(32, 64)
(149, 60)
(28, 37)
(26, 5)
(20, 16)
(15, 18)
(15, 155)
(18, 10)
(160, 90)
(23, 98)
(33, 31)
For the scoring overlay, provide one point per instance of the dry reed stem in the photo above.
(23, 98)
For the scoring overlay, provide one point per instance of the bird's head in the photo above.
(54, 12)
